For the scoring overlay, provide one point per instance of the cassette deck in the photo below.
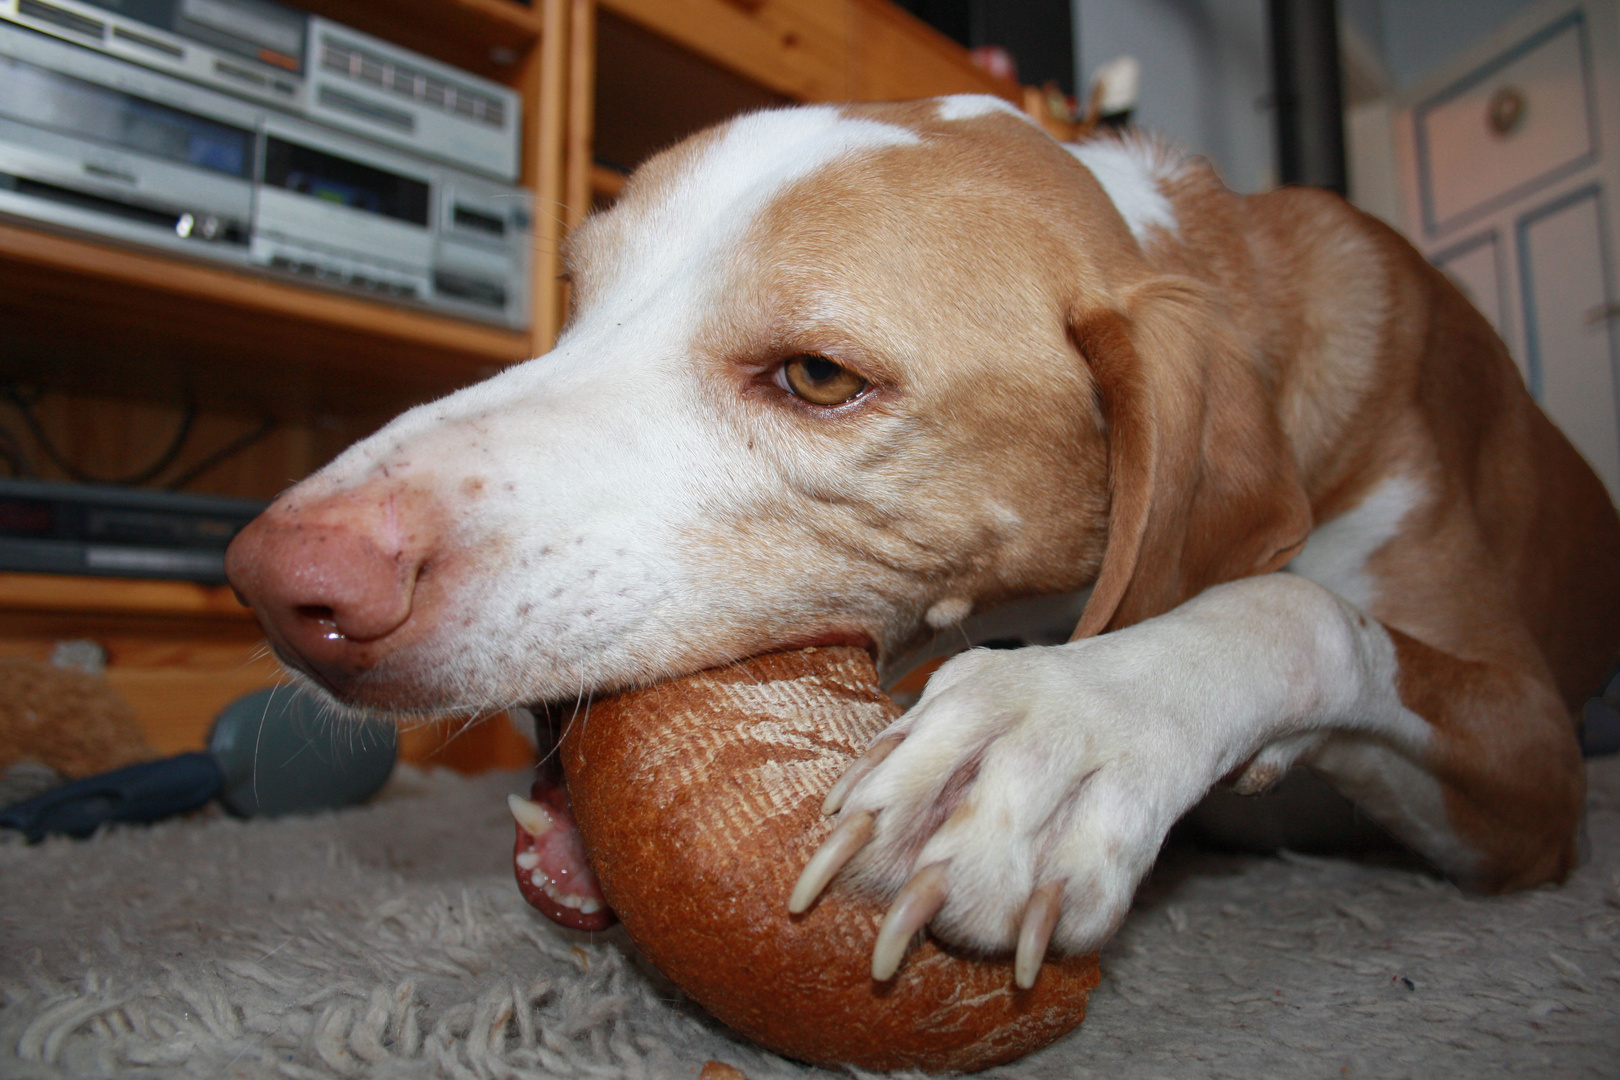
(93, 143)
(304, 64)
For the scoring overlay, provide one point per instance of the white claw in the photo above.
(917, 903)
(857, 772)
(530, 816)
(1035, 934)
(840, 846)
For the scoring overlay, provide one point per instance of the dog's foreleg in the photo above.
(1496, 799)
(1029, 790)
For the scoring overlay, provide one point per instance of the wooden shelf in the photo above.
(96, 320)
(896, 56)
(179, 652)
(664, 69)
(122, 596)
(635, 115)
(817, 50)
(606, 183)
(244, 289)
(90, 317)
(796, 48)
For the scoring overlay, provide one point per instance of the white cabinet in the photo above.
(1510, 162)
(1512, 125)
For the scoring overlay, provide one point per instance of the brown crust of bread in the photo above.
(699, 801)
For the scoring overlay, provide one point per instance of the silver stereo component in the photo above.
(122, 152)
(304, 64)
(246, 47)
(92, 144)
(402, 98)
(336, 212)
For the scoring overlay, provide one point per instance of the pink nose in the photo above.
(332, 581)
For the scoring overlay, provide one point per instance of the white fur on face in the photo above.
(597, 464)
(664, 276)
(1130, 172)
(973, 106)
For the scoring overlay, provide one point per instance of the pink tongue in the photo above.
(552, 872)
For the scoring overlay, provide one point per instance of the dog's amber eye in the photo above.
(821, 381)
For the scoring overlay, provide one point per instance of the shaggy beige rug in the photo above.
(390, 942)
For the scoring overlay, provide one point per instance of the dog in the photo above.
(849, 374)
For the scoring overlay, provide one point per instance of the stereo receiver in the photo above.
(304, 64)
(117, 532)
(91, 143)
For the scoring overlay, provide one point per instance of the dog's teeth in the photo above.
(528, 860)
(585, 905)
(540, 881)
(530, 816)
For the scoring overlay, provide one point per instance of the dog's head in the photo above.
(831, 374)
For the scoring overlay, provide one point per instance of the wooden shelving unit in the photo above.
(120, 322)
(179, 653)
(665, 68)
(612, 81)
(816, 50)
(94, 318)
(603, 85)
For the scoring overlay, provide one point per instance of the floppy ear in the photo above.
(1203, 484)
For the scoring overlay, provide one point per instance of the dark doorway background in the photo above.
(1038, 33)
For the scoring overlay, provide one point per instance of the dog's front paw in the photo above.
(1019, 803)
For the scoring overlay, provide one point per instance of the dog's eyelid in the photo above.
(850, 359)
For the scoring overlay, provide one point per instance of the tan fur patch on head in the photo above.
(942, 273)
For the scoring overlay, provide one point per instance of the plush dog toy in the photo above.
(689, 793)
(61, 722)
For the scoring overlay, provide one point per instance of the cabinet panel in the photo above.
(1569, 340)
(1540, 194)
(1515, 123)
(1475, 267)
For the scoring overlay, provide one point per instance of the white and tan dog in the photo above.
(850, 374)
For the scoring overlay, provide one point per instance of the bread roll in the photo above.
(699, 801)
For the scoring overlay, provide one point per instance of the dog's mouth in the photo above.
(548, 856)
(549, 859)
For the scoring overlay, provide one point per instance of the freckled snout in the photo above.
(334, 581)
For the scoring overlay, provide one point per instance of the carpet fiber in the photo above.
(390, 941)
